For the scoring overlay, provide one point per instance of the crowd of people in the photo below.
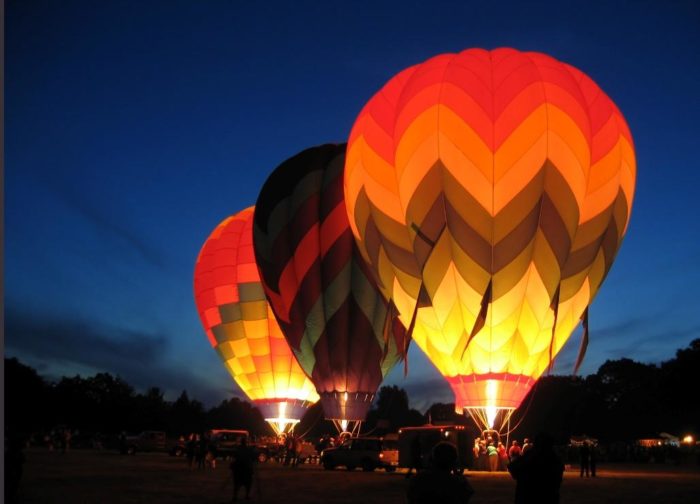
(536, 468)
(587, 458)
(199, 451)
(490, 454)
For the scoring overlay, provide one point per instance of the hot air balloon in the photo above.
(344, 334)
(242, 328)
(489, 191)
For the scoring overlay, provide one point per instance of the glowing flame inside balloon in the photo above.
(491, 396)
(281, 423)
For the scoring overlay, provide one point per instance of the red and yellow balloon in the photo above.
(489, 191)
(242, 328)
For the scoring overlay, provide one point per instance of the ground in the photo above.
(86, 477)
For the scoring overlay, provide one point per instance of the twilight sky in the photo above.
(133, 128)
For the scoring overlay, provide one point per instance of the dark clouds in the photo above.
(52, 345)
(645, 347)
(107, 223)
(640, 338)
(424, 393)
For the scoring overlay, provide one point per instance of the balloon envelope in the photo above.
(241, 326)
(489, 191)
(328, 306)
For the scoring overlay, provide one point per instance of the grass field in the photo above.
(87, 477)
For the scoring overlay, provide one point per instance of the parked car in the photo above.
(369, 453)
(223, 442)
(146, 441)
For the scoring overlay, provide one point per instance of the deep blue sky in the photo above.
(133, 128)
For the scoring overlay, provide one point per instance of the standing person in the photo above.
(515, 451)
(66, 440)
(242, 469)
(584, 455)
(290, 453)
(538, 473)
(592, 458)
(122, 443)
(527, 445)
(440, 484)
(209, 457)
(415, 456)
(190, 449)
(62, 440)
(502, 457)
(493, 457)
(483, 457)
(201, 450)
(296, 447)
(14, 466)
(475, 451)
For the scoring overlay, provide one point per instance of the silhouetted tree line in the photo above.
(108, 405)
(624, 400)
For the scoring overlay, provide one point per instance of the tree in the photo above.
(186, 416)
(237, 414)
(26, 398)
(679, 377)
(445, 414)
(391, 411)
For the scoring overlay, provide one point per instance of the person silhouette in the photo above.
(515, 451)
(538, 473)
(242, 469)
(584, 454)
(415, 456)
(439, 484)
(592, 458)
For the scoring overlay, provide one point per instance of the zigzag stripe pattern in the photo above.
(238, 320)
(497, 168)
(328, 305)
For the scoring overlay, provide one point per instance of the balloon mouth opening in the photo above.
(282, 414)
(346, 427)
(490, 398)
(346, 408)
(282, 423)
(490, 418)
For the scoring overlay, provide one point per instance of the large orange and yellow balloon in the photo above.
(242, 328)
(490, 191)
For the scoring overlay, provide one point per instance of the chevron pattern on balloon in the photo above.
(497, 168)
(323, 294)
